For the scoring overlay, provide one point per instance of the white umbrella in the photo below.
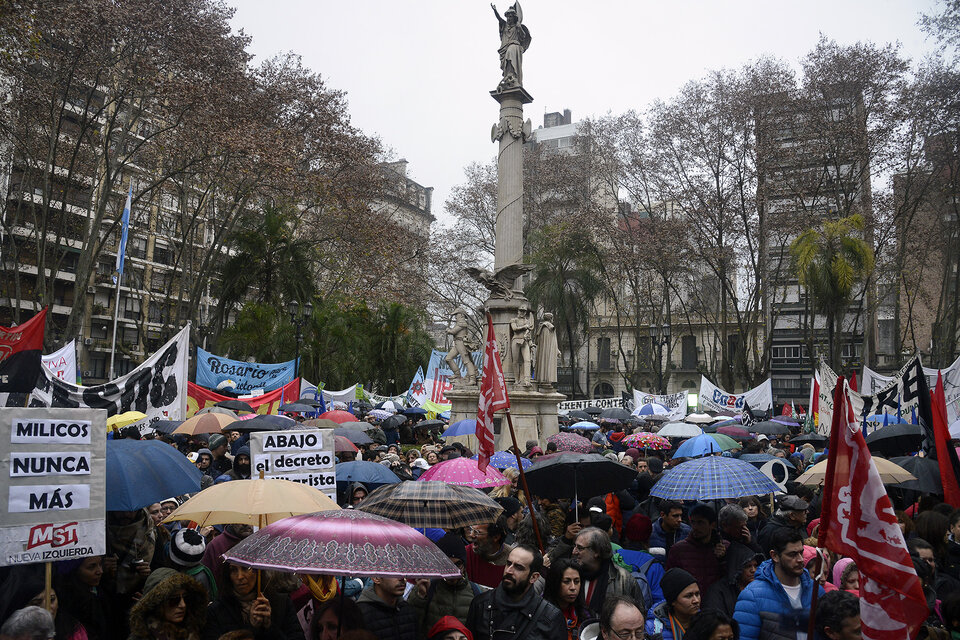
(698, 418)
(680, 430)
(651, 409)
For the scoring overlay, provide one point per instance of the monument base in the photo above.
(534, 414)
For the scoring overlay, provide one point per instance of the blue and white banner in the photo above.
(308, 389)
(713, 398)
(249, 376)
(438, 374)
(417, 393)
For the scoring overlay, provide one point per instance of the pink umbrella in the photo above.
(571, 442)
(644, 440)
(464, 471)
(350, 543)
(733, 432)
(339, 416)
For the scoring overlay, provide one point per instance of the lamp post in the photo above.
(660, 336)
(298, 320)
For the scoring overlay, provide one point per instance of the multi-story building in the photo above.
(407, 205)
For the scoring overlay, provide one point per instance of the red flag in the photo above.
(858, 521)
(20, 351)
(787, 410)
(946, 455)
(493, 396)
(853, 381)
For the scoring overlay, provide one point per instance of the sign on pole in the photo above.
(53, 493)
(305, 456)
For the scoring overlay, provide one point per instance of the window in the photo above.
(688, 352)
(603, 354)
(885, 337)
(98, 366)
(136, 247)
(786, 353)
(130, 336)
(603, 390)
(156, 312)
(131, 308)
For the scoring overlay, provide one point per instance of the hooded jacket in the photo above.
(396, 622)
(764, 610)
(722, 596)
(664, 540)
(657, 623)
(146, 616)
(225, 614)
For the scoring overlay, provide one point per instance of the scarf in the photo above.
(676, 628)
(322, 588)
(570, 615)
(246, 603)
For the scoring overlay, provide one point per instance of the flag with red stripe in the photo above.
(857, 520)
(21, 348)
(946, 455)
(493, 396)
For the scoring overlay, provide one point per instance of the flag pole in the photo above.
(121, 257)
(523, 481)
(116, 312)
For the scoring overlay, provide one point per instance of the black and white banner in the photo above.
(158, 387)
(602, 403)
(874, 382)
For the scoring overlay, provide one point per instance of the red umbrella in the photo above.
(343, 543)
(464, 471)
(342, 444)
(339, 416)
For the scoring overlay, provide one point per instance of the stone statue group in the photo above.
(522, 348)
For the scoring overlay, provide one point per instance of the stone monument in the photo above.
(533, 400)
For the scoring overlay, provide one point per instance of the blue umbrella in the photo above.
(713, 478)
(698, 446)
(141, 472)
(652, 409)
(504, 459)
(371, 474)
(461, 428)
(585, 424)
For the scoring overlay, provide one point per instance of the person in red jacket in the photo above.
(702, 553)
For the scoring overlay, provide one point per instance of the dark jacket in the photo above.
(494, 610)
(764, 610)
(615, 581)
(397, 622)
(664, 540)
(722, 596)
(443, 599)
(224, 615)
(146, 616)
(774, 524)
(699, 559)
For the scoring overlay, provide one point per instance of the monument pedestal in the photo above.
(534, 414)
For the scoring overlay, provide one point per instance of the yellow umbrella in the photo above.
(256, 502)
(205, 423)
(890, 473)
(121, 420)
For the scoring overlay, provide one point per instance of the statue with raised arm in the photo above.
(514, 40)
(521, 338)
(460, 332)
(548, 353)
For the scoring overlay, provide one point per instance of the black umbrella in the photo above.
(896, 440)
(430, 423)
(593, 411)
(310, 402)
(925, 470)
(263, 423)
(235, 405)
(296, 407)
(760, 459)
(579, 415)
(615, 413)
(768, 428)
(165, 426)
(812, 438)
(577, 474)
(393, 422)
(356, 437)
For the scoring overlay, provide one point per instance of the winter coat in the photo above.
(225, 614)
(494, 610)
(665, 540)
(146, 616)
(617, 582)
(764, 611)
(699, 559)
(722, 596)
(657, 623)
(652, 570)
(443, 599)
(774, 524)
(397, 622)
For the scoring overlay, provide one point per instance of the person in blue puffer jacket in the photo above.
(776, 605)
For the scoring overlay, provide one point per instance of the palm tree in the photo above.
(566, 281)
(829, 263)
(398, 344)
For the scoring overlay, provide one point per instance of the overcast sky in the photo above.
(418, 74)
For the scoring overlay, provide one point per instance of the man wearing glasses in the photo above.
(621, 619)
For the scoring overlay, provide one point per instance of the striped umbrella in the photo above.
(432, 504)
(713, 478)
(571, 442)
(644, 440)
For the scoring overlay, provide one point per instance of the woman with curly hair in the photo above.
(173, 607)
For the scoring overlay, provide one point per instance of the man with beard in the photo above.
(513, 609)
(241, 465)
(602, 578)
(487, 555)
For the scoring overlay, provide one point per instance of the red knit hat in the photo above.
(638, 528)
(448, 623)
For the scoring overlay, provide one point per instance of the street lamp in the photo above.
(660, 337)
(298, 320)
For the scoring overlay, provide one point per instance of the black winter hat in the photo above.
(674, 582)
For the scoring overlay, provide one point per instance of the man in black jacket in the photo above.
(513, 609)
(385, 613)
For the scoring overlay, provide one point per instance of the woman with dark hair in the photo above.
(81, 596)
(712, 625)
(336, 615)
(173, 607)
(269, 615)
(670, 618)
(24, 587)
(563, 590)
(933, 527)
(756, 517)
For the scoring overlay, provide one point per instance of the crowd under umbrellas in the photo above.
(404, 492)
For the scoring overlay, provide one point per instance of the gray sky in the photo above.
(418, 74)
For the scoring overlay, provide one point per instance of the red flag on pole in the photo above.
(858, 521)
(946, 455)
(493, 396)
(20, 351)
(853, 381)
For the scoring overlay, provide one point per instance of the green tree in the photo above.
(398, 344)
(830, 262)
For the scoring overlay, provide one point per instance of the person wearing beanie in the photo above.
(703, 551)
(241, 464)
(205, 463)
(173, 605)
(186, 553)
(449, 628)
(669, 619)
(511, 517)
(434, 600)
(218, 448)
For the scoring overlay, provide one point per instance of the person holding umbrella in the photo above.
(241, 605)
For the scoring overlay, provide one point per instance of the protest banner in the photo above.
(52, 484)
(248, 376)
(304, 456)
(675, 402)
(600, 403)
(200, 398)
(438, 375)
(873, 382)
(713, 398)
(158, 387)
(344, 395)
(62, 363)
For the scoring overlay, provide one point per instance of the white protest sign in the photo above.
(52, 484)
(713, 398)
(62, 363)
(675, 402)
(304, 456)
(600, 403)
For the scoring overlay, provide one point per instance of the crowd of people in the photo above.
(615, 566)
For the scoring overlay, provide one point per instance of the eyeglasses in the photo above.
(627, 634)
(175, 600)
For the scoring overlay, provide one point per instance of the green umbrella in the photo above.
(726, 442)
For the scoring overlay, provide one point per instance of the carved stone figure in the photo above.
(514, 40)
(521, 338)
(460, 334)
(500, 284)
(548, 353)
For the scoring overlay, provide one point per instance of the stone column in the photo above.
(511, 132)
